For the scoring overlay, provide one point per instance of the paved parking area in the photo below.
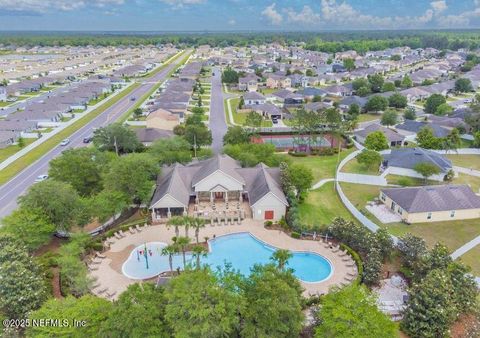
(384, 214)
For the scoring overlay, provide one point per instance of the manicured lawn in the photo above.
(240, 118)
(466, 161)
(322, 206)
(322, 166)
(472, 181)
(452, 233)
(368, 117)
(406, 181)
(10, 150)
(354, 167)
(4, 103)
(472, 258)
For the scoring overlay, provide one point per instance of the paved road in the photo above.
(218, 125)
(10, 191)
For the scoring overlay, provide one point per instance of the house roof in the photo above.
(253, 96)
(416, 126)
(224, 163)
(391, 135)
(434, 198)
(152, 134)
(409, 157)
(349, 100)
(311, 91)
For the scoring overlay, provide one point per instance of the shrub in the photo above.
(356, 258)
(268, 223)
(295, 235)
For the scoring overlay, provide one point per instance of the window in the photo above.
(452, 213)
(382, 196)
(400, 210)
(429, 215)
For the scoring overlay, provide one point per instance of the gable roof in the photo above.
(224, 163)
(416, 126)
(434, 198)
(391, 135)
(409, 157)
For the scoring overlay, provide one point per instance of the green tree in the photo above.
(463, 85)
(93, 310)
(363, 91)
(352, 312)
(376, 141)
(369, 159)
(376, 82)
(254, 120)
(433, 102)
(349, 64)
(430, 309)
(176, 222)
(108, 203)
(170, 251)
(30, 226)
(139, 312)
(300, 178)
(281, 257)
(476, 139)
(413, 248)
(137, 112)
(376, 103)
(443, 109)
(406, 82)
(354, 109)
(273, 304)
(116, 137)
(212, 310)
(198, 251)
(198, 135)
(397, 100)
(197, 223)
(22, 287)
(251, 154)
(21, 142)
(426, 139)
(410, 113)
(229, 76)
(171, 150)
(133, 175)
(82, 168)
(389, 118)
(236, 135)
(183, 243)
(359, 83)
(426, 169)
(388, 87)
(64, 210)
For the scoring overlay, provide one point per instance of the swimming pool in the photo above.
(241, 250)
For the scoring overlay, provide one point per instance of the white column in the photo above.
(226, 196)
(211, 197)
(184, 211)
(169, 214)
(240, 198)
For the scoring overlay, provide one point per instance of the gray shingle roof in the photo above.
(434, 198)
(224, 163)
(391, 135)
(409, 157)
(416, 126)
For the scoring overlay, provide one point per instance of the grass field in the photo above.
(322, 166)
(10, 150)
(466, 161)
(322, 206)
(472, 258)
(452, 233)
(354, 167)
(368, 117)
(239, 118)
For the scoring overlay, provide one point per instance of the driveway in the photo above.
(217, 123)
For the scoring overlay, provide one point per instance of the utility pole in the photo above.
(195, 145)
(115, 144)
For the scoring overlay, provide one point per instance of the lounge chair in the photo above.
(117, 235)
(102, 290)
(349, 278)
(342, 254)
(351, 274)
(350, 265)
(138, 228)
(111, 294)
(131, 230)
(91, 268)
(346, 259)
(122, 233)
(99, 255)
(94, 286)
(335, 249)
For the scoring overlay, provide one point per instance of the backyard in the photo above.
(240, 118)
(452, 233)
(354, 167)
(466, 161)
(472, 258)
(10, 150)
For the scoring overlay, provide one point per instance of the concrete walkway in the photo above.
(320, 183)
(467, 171)
(466, 247)
(361, 179)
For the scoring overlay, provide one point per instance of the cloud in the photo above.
(439, 6)
(232, 22)
(182, 3)
(305, 16)
(43, 6)
(272, 15)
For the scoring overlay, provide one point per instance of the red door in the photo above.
(268, 214)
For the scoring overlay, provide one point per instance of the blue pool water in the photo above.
(242, 251)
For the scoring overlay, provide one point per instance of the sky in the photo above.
(236, 15)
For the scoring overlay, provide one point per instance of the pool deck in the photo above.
(109, 271)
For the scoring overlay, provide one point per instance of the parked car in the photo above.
(65, 142)
(133, 98)
(87, 139)
(41, 178)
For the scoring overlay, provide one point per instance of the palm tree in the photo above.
(182, 243)
(169, 251)
(175, 221)
(198, 223)
(187, 222)
(281, 257)
(199, 251)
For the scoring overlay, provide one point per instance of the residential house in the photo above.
(310, 92)
(267, 110)
(394, 139)
(249, 83)
(438, 203)
(253, 98)
(346, 102)
(162, 119)
(278, 81)
(402, 161)
(410, 129)
(218, 180)
(149, 135)
(7, 138)
(339, 90)
(415, 93)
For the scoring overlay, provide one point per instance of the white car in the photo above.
(65, 142)
(41, 178)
